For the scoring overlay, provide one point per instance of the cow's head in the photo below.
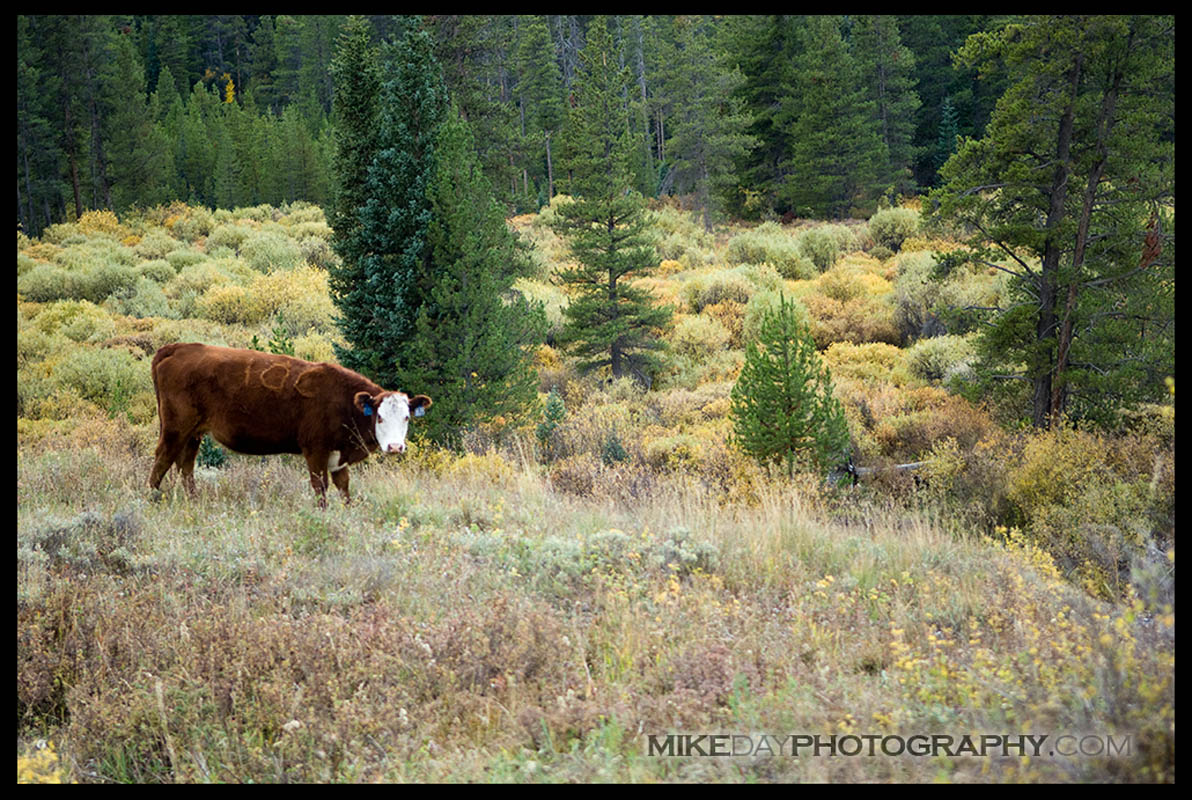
(391, 412)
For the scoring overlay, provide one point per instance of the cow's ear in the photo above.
(418, 404)
(364, 403)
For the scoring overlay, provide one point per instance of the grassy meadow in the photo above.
(534, 605)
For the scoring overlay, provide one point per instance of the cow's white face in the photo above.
(393, 422)
(392, 414)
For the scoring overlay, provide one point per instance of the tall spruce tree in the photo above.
(469, 348)
(783, 411)
(888, 74)
(609, 322)
(836, 153)
(710, 121)
(386, 275)
(356, 74)
(1079, 154)
(763, 48)
(540, 94)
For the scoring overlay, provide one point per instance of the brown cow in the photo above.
(262, 404)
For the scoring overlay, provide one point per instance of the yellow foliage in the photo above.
(231, 304)
(669, 267)
(102, 222)
(40, 765)
(547, 357)
(489, 467)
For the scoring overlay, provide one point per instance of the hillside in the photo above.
(532, 607)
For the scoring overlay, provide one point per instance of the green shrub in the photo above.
(105, 377)
(78, 320)
(181, 259)
(891, 227)
(156, 244)
(940, 358)
(759, 305)
(146, 299)
(158, 270)
(769, 244)
(703, 290)
(267, 251)
(318, 253)
(300, 211)
(195, 222)
(926, 305)
(821, 247)
(698, 337)
(90, 270)
(229, 236)
(25, 263)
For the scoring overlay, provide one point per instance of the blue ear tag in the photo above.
(418, 412)
(368, 411)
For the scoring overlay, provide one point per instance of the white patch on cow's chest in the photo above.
(333, 464)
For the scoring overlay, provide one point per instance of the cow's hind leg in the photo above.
(340, 476)
(316, 463)
(186, 462)
(169, 447)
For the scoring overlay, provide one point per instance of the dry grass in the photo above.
(465, 621)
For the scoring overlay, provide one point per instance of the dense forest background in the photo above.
(741, 113)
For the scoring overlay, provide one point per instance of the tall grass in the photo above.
(463, 620)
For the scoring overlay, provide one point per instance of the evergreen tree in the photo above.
(357, 82)
(763, 48)
(470, 345)
(142, 162)
(475, 53)
(710, 122)
(888, 73)
(386, 277)
(609, 321)
(783, 411)
(836, 154)
(1079, 153)
(945, 144)
(40, 157)
(540, 93)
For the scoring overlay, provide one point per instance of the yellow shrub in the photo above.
(547, 357)
(870, 362)
(489, 467)
(300, 295)
(231, 305)
(669, 267)
(731, 315)
(861, 319)
(40, 764)
(314, 347)
(698, 337)
(102, 222)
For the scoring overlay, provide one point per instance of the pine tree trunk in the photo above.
(550, 171)
(1059, 395)
(1046, 325)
